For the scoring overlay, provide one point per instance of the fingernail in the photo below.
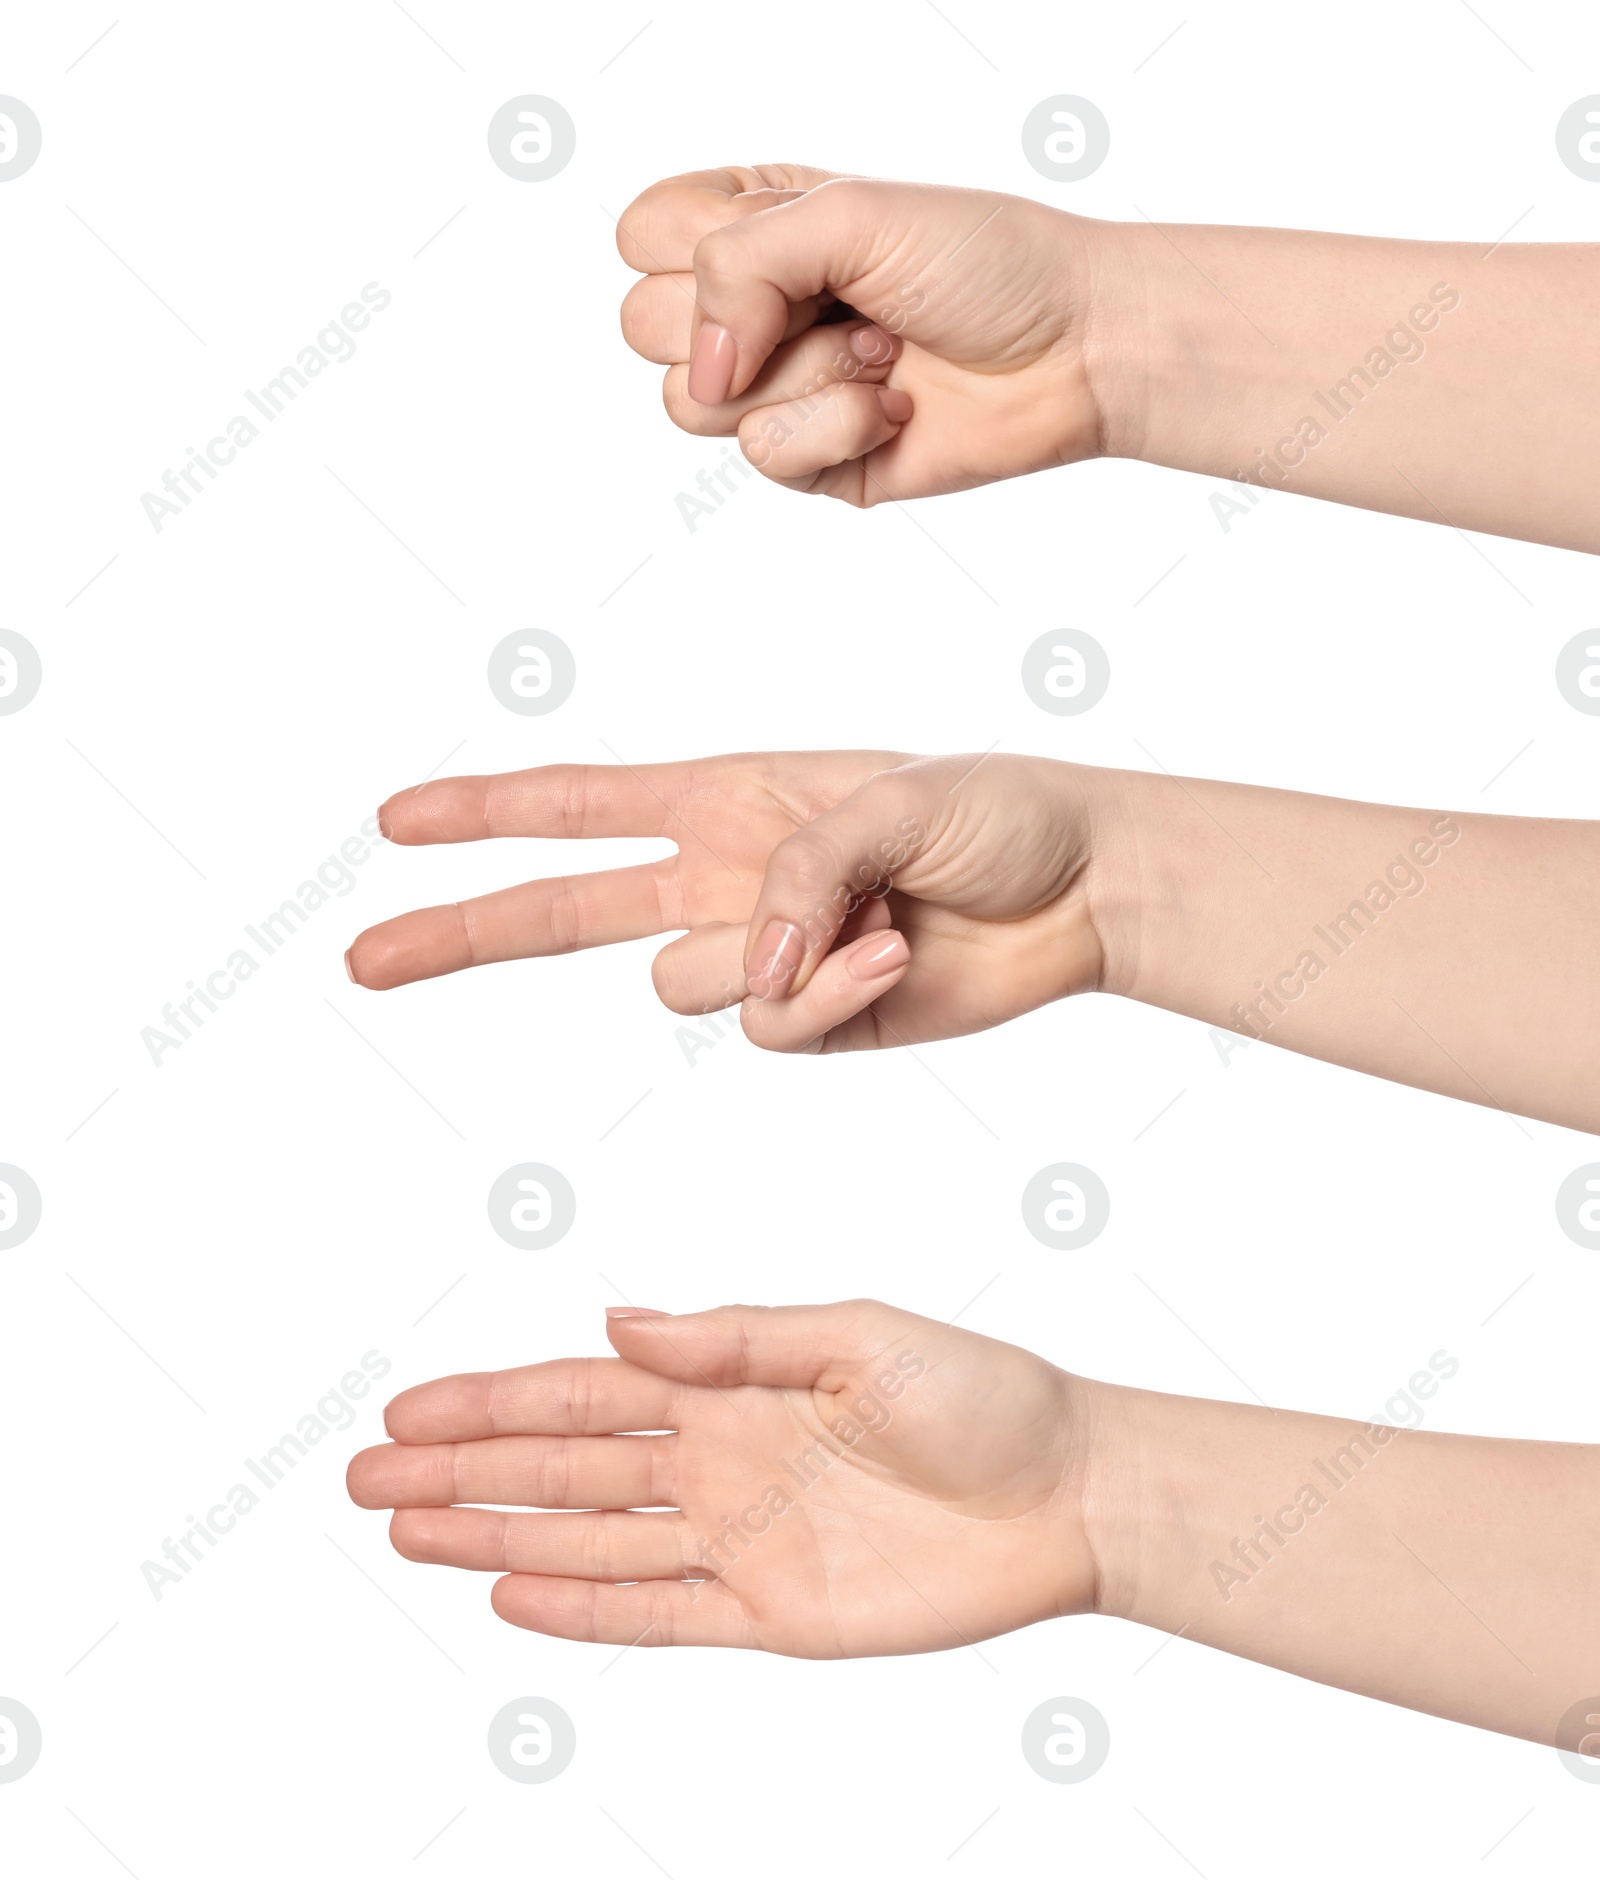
(348, 972)
(897, 406)
(383, 825)
(716, 353)
(776, 960)
(873, 347)
(635, 1312)
(878, 957)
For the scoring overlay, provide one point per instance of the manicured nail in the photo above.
(711, 365)
(877, 957)
(348, 971)
(635, 1312)
(873, 347)
(775, 961)
(897, 406)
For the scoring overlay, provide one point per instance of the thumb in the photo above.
(817, 877)
(791, 1347)
(848, 237)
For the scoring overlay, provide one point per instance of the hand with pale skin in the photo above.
(808, 1477)
(959, 330)
(782, 880)
(850, 900)
(853, 1480)
(874, 341)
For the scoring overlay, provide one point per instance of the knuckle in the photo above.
(564, 919)
(718, 251)
(596, 1551)
(846, 194)
(658, 1473)
(580, 1395)
(805, 861)
(663, 1618)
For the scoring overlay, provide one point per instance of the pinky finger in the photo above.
(799, 443)
(655, 1612)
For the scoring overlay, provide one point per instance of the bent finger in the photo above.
(797, 443)
(658, 317)
(800, 373)
(660, 229)
(846, 983)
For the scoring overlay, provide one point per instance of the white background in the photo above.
(276, 1199)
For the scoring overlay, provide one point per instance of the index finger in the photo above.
(658, 230)
(566, 1397)
(554, 800)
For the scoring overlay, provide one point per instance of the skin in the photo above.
(1022, 337)
(858, 900)
(850, 1480)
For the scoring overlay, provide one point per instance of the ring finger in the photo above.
(606, 1546)
(700, 973)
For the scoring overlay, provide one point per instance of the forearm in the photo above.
(1457, 1575)
(1456, 953)
(1454, 382)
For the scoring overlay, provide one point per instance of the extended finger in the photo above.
(537, 920)
(565, 1397)
(527, 1471)
(656, 1612)
(565, 800)
(793, 1347)
(603, 1546)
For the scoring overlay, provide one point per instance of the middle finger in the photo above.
(533, 921)
(524, 1471)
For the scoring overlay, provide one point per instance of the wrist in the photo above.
(1162, 345)
(1126, 872)
(1123, 312)
(1135, 1504)
(1110, 1486)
